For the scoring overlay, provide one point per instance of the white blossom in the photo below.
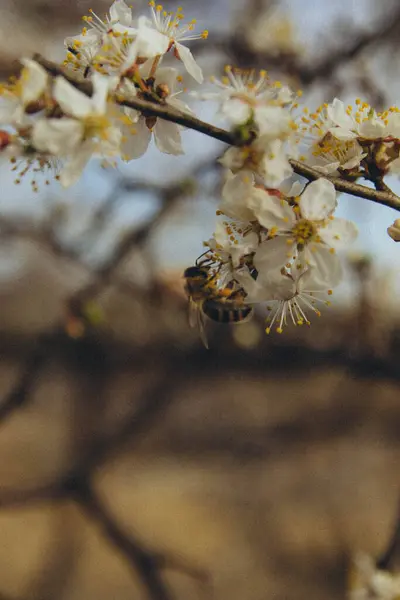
(264, 157)
(243, 98)
(236, 196)
(85, 130)
(291, 294)
(138, 129)
(308, 230)
(29, 88)
(170, 35)
(118, 20)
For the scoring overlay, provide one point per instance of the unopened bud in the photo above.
(5, 139)
(163, 91)
(394, 231)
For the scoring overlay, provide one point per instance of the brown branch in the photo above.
(168, 113)
(20, 392)
(139, 559)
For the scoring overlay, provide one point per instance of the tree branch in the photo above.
(166, 112)
(139, 559)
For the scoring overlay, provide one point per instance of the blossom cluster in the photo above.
(51, 124)
(276, 236)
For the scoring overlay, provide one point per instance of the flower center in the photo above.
(304, 231)
(96, 126)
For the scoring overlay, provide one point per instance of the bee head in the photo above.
(195, 273)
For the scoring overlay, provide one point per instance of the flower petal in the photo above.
(338, 233)
(236, 110)
(168, 137)
(167, 76)
(190, 64)
(59, 137)
(337, 113)
(136, 144)
(150, 42)
(318, 201)
(328, 269)
(72, 170)
(235, 194)
(272, 121)
(271, 212)
(72, 101)
(273, 254)
(120, 12)
(34, 79)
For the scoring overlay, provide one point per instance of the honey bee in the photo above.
(222, 305)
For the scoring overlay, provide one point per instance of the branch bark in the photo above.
(166, 112)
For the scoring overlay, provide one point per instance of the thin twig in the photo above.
(168, 113)
(20, 392)
(141, 561)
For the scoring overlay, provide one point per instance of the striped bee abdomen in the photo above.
(225, 311)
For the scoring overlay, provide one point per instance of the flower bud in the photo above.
(5, 139)
(394, 231)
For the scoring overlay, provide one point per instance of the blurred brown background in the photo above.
(136, 464)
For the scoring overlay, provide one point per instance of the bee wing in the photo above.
(196, 319)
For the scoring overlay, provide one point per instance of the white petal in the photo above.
(72, 101)
(372, 128)
(338, 233)
(232, 159)
(57, 136)
(236, 110)
(328, 269)
(166, 76)
(111, 146)
(190, 64)
(10, 109)
(276, 286)
(150, 41)
(179, 105)
(318, 201)
(136, 144)
(274, 167)
(168, 137)
(336, 112)
(119, 11)
(235, 194)
(342, 134)
(273, 254)
(272, 121)
(330, 168)
(271, 211)
(72, 171)
(131, 56)
(34, 80)
(101, 86)
(134, 115)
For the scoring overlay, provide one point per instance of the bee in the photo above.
(222, 305)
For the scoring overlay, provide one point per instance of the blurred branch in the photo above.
(170, 114)
(242, 54)
(19, 393)
(140, 560)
